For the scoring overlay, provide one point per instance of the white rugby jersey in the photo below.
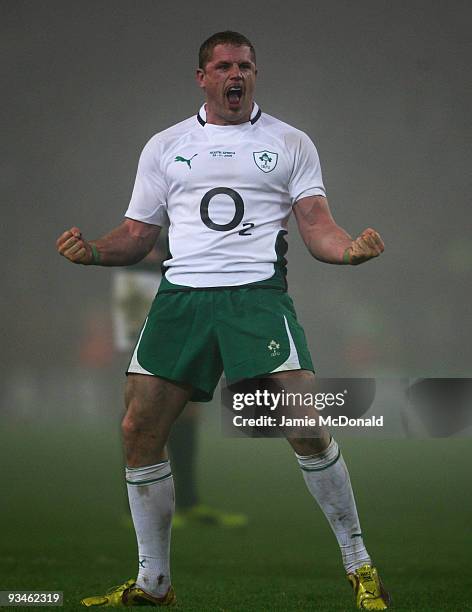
(227, 193)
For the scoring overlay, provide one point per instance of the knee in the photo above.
(144, 417)
(131, 426)
(137, 417)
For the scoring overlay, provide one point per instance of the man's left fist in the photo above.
(368, 245)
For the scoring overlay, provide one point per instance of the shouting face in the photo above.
(228, 80)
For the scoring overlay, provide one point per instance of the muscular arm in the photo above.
(123, 246)
(328, 242)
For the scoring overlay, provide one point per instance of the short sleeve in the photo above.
(149, 197)
(306, 178)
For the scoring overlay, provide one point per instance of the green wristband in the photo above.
(95, 255)
(347, 256)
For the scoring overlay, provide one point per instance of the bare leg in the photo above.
(302, 381)
(327, 478)
(153, 404)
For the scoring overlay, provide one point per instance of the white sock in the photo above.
(327, 479)
(152, 503)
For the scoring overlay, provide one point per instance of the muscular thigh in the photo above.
(307, 441)
(152, 406)
(153, 399)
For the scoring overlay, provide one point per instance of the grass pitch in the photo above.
(63, 505)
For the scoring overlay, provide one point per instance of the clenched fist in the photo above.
(74, 248)
(368, 245)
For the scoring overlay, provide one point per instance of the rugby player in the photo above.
(226, 180)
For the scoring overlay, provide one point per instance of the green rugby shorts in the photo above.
(193, 335)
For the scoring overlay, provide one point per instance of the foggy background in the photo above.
(383, 89)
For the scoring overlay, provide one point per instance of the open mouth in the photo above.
(234, 94)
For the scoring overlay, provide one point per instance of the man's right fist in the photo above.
(74, 248)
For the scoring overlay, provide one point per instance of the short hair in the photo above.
(228, 37)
